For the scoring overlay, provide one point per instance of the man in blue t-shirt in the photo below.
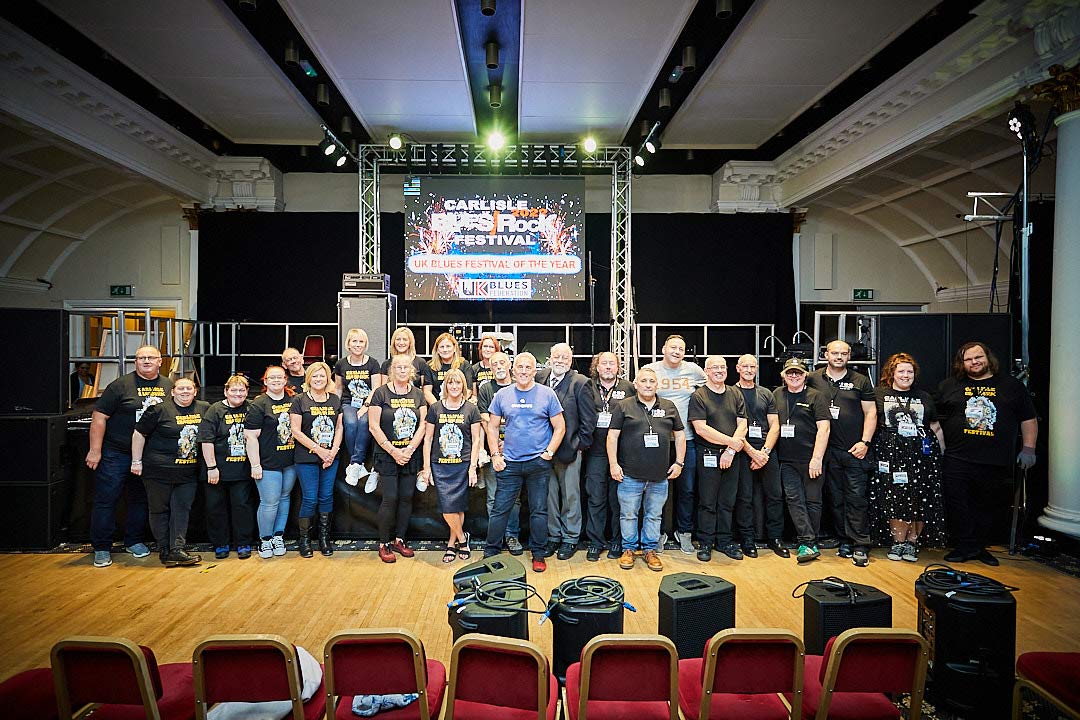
(534, 429)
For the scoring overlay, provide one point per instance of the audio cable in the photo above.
(945, 579)
(833, 582)
(499, 595)
(588, 591)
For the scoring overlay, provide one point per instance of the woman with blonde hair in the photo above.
(446, 356)
(271, 450)
(315, 417)
(403, 342)
(228, 474)
(356, 376)
(451, 452)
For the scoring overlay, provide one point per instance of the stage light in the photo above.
(495, 96)
(341, 160)
(689, 58)
(328, 146)
(491, 53)
(322, 95)
(665, 98)
(589, 144)
(346, 125)
(646, 128)
(396, 142)
(292, 55)
(354, 147)
(723, 9)
(487, 7)
(304, 151)
(496, 140)
(652, 145)
(638, 160)
(1022, 124)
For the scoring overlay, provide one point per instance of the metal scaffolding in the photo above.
(436, 158)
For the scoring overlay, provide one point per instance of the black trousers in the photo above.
(230, 500)
(603, 503)
(803, 495)
(768, 496)
(847, 480)
(170, 507)
(718, 509)
(395, 510)
(971, 498)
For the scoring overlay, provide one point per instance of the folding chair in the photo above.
(859, 667)
(251, 668)
(742, 674)
(499, 678)
(314, 349)
(381, 662)
(118, 676)
(29, 695)
(1055, 676)
(624, 676)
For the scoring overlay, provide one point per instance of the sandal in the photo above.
(463, 551)
(450, 555)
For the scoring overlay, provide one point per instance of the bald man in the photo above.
(853, 413)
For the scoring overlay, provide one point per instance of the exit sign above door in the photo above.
(862, 294)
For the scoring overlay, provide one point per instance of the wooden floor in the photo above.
(45, 597)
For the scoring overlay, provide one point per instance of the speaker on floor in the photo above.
(33, 515)
(693, 608)
(572, 626)
(498, 567)
(830, 608)
(36, 448)
(500, 612)
(972, 649)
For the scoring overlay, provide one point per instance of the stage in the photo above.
(48, 596)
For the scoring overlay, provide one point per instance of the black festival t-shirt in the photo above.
(400, 415)
(439, 374)
(482, 374)
(124, 401)
(271, 418)
(452, 441)
(981, 417)
(423, 376)
(223, 426)
(356, 380)
(907, 413)
(720, 411)
(172, 440)
(318, 420)
(605, 400)
(484, 395)
(803, 410)
(760, 404)
(296, 382)
(846, 395)
(634, 421)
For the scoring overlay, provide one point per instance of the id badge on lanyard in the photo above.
(603, 419)
(834, 411)
(652, 440)
(787, 430)
(710, 459)
(754, 431)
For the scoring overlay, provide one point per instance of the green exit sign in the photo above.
(121, 290)
(862, 294)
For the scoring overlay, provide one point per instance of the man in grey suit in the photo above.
(564, 487)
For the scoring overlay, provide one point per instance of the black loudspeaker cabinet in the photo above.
(499, 567)
(41, 334)
(375, 313)
(829, 610)
(32, 516)
(693, 608)
(505, 616)
(934, 338)
(35, 448)
(972, 649)
(572, 626)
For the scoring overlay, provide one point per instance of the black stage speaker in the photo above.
(373, 312)
(504, 614)
(41, 335)
(33, 516)
(693, 608)
(923, 336)
(972, 649)
(574, 625)
(499, 567)
(35, 448)
(831, 608)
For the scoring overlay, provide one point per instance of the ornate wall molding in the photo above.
(745, 186)
(247, 183)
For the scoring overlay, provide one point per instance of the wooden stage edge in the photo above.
(46, 597)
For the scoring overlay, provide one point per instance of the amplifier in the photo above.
(365, 282)
(572, 626)
(830, 609)
(498, 567)
(693, 608)
(503, 614)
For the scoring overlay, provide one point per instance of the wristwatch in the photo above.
(767, 451)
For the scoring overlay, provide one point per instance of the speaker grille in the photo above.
(693, 608)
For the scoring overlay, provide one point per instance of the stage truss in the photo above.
(513, 159)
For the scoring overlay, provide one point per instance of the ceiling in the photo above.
(767, 76)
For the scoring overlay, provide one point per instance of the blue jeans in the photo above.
(112, 476)
(316, 487)
(274, 489)
(491, 484)
(633, 494)
(684, 490)
(533, 474)
(357, 436)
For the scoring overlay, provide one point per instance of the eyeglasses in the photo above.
(147, 357)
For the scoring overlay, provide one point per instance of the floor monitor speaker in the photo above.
(498, 567)
(830, 608)
(502, 613)
(574, 625)
(693, 608)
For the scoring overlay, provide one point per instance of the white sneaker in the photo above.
(372, 482)
(278, 543)
(352, 474)
(362, 472)
(266, 549)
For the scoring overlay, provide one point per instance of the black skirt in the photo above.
(452, 487)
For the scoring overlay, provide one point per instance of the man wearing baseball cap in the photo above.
(804, 435)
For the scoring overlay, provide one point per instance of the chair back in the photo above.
(94, 670)
(608, 660)
(246, 668)
(875, 660)
(314, 349)
(505, 672)
(752, 661)
(375, 662)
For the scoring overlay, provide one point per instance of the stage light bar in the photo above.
(328, 146)
(341, 160)
(331, 144)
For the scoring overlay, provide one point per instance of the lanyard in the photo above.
(648, 414)
(751, 402)
(607, 397)
(792, 400)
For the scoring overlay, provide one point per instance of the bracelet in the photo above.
(256, 467)
(495, 455)
(730, 451)
(136, 462)
(680, 463)
(211, 467)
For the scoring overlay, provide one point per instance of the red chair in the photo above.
(1053, 675)
(381, 662)
(123, 680)
(859, 666)
(742, 674)
(624, 676)
(251, 668)
(29, 695)
(499, 678)
(314, 349)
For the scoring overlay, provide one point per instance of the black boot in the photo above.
(325, 546)
(163, 554)
(304, 546)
